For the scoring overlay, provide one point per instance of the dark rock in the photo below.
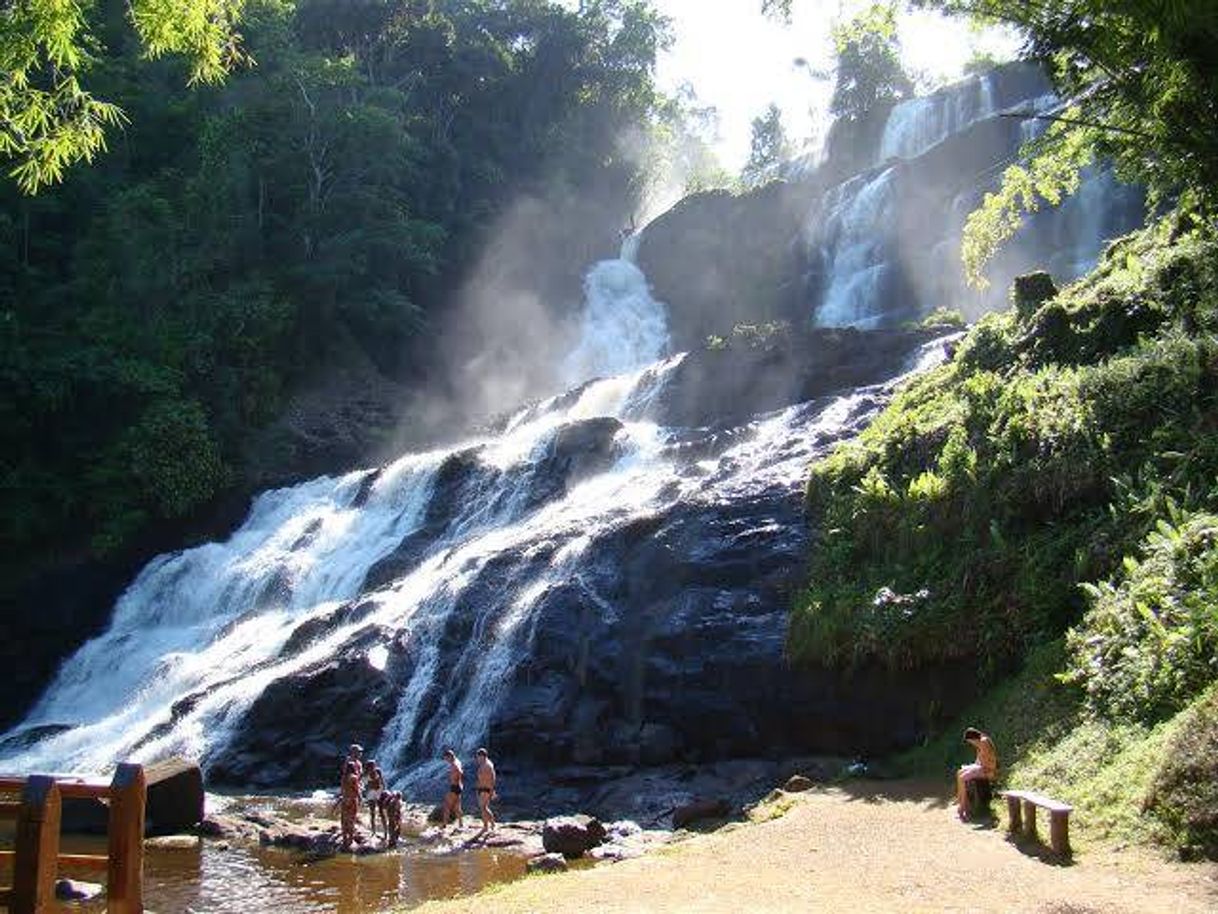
(719, 259)
(297, 731)
(734, 384)
(175, 796)
(84, 816)
(1031, 290)
(572, 836)
(699, 810)
(797, 783)
(547, 863)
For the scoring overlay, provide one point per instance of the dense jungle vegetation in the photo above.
(315, 206)
(1045, 504)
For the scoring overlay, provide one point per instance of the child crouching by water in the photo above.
(391, 816)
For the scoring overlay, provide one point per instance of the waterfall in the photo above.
(622, 327)
(469, 593)
(916, 125)
(854, 225)
(883, 247)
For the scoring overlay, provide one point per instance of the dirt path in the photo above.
(879, 847)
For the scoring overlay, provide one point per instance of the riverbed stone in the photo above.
(571, 836)
(77, 890)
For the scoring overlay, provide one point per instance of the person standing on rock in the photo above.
(486, 789)
(349, 803)
(456, 783)
(984, 768)
(375, 788)
(354, 752)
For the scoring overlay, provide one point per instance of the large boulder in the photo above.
(572, 836)
(175, 796)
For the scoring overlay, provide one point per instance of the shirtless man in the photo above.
(373, 792)
(486, 789)
(349, 803)
(984, 768)
(456, 782)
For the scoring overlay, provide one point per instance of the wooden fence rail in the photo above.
(36, 857)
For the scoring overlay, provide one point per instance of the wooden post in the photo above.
(37, 850)
(1059, 832)
(1014, 819)
(125, 884)
(1029, 820)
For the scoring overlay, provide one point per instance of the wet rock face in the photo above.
(723, 386)
(297, 731)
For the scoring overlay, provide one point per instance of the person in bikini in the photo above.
(984, 768)
(456, 782)
(486, 789)
(373, 792)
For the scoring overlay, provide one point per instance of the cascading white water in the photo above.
(853, 224)
(621, 327)
(883, 248)
(916, 125)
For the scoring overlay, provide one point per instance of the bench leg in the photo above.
(1029, 820)
(1059, 833)
(1014, 819)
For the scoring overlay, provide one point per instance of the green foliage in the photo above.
(1051, 174)
(312, 214)
(868, 74)
(1184, 792)
(961, 522)
(48, 120)
(944, 317)
(1149, 641)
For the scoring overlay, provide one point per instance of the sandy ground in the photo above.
(873, 847)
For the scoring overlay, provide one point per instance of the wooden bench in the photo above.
(1021, 815)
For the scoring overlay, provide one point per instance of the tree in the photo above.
(1141, 77)
(48, 120)
(769, 147)
(869, 74)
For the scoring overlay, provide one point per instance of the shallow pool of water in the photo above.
(216, 877)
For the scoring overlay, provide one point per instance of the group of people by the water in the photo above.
(367, 779)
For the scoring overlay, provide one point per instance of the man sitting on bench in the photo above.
(985, 768)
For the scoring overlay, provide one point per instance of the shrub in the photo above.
(1184, 792)
(1149, 641)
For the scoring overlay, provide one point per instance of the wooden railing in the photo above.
(36, 857)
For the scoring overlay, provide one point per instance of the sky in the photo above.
(740, 61)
